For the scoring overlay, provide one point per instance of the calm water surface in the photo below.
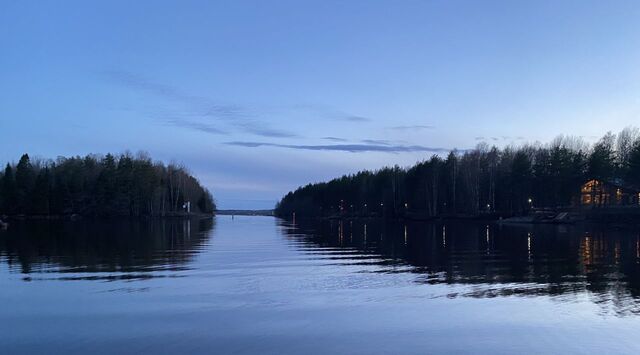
(262, 285)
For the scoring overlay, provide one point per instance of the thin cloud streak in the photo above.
(331, 113)
(199, 109)
(495, 139)
(376, 141)
(413, 127)
(260, 129)
(236, 116)
(352, 148)
(335, 139)
(198, 126)
(137, 82)
(356, 119)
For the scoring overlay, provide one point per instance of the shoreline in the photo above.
(73, 217)
(607, 217)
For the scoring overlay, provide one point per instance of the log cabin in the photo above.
(601, 193)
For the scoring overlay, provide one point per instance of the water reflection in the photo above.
(102, 250)
(599, 262)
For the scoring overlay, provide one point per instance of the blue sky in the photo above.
(258, 97)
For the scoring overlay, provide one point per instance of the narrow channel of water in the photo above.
(262, 285)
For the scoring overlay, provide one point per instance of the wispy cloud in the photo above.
(138, 82)
(495, 139)
(356, 119)
(412, 127)
(352, 148)
(198, 126)
(334, 139)
(202, 114)
(260, 129)
(376, 141)
(325, 111)
(207, 115)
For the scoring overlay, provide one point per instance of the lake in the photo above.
(262, 285)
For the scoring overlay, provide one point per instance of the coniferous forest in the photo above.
(484, 180)
(100, 186)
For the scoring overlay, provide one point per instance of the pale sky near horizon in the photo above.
(259, 97)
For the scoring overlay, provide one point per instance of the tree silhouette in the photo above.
(100, 186)
(486, 179)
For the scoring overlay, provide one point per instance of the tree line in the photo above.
(508, 181)
(100, 186)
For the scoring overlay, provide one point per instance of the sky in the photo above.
(259, 97)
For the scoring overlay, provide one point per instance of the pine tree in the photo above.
(24, 184)
(7, 189)
(41, 195)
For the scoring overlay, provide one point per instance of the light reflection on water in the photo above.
(492, 260)
(262, 285)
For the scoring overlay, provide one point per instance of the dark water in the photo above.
(260, 285)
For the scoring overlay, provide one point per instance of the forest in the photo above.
(94, 185)
(484, 180)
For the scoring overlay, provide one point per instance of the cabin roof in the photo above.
(617, 182)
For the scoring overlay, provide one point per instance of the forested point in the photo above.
(100, 186)
(485, 180)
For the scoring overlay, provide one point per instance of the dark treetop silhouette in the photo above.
(482, 180)
(100, 186)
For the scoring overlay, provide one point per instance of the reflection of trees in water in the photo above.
(494, 260)
(89, 246)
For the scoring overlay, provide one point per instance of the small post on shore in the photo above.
(187, 206)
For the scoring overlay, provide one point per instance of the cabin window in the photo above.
(588, 187)
(588, 191)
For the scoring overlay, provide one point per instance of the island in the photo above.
(100, 186)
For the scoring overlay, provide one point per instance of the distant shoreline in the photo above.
(623, 216)
(79, 217)
(245, 212)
